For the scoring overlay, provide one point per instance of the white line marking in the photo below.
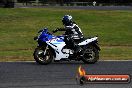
(115, 60)
(18, 61)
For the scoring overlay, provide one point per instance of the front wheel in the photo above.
(91, 55)
(43, 56)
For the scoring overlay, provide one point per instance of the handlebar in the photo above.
(40, 31)
(36, 37)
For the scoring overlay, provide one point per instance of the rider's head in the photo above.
(67, 20)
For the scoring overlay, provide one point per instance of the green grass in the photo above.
(18, 26)
(116, 53)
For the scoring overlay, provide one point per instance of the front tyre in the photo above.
(43, 56)
(91, 55)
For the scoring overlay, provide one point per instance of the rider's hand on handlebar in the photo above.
(54, 31)
(36, 37)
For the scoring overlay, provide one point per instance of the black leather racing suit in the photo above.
(73, 33)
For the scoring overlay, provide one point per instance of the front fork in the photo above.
(45, 49)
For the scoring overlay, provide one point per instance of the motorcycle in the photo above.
(53, 48)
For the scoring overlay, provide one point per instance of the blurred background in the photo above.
(13, 3)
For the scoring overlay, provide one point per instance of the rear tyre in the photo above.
(43, 56)
(91, 55)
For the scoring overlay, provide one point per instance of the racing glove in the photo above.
(54, 31)
(59, 29)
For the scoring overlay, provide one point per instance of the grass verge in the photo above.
(18, 26)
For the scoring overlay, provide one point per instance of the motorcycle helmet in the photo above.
(67, 20)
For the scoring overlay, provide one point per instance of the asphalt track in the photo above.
(96, 7)
(82, 7)
(58, 75)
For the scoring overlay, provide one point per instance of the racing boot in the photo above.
(78, 50)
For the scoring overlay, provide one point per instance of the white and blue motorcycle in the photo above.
(53, 48)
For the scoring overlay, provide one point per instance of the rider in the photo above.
(72, 33)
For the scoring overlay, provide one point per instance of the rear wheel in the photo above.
(91, 55)
(43, 56)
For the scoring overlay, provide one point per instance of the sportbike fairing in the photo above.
(57, 43)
